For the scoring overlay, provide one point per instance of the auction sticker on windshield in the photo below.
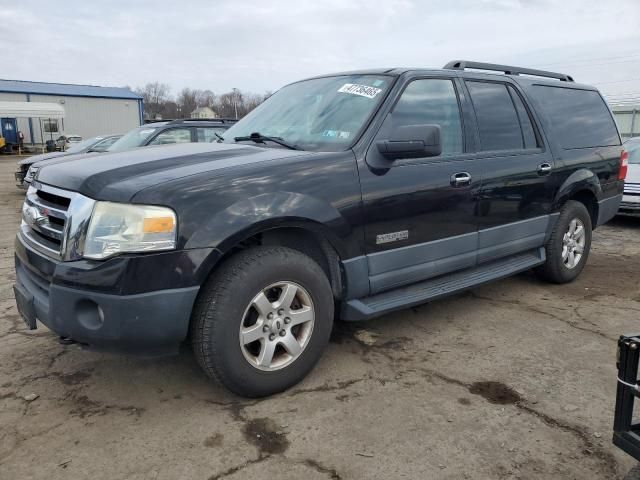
(362, 90)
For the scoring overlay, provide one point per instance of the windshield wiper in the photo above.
(259, 138)
(220, 137)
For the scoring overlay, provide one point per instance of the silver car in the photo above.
(631, 200)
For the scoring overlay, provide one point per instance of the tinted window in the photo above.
(498, 123)
(580, 118)
(173, 135)
(528, 133)
(432, 102)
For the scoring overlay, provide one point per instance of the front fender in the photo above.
(247, 217)
(579, 180)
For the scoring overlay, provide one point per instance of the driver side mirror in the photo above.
(412, 141)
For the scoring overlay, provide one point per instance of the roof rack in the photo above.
(216, 120)
(506, 69)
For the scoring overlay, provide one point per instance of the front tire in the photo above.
(262, 321)
(569, 245)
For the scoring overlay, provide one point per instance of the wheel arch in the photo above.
(304, 235)
(583, 186)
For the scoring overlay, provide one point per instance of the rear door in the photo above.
(517, 190)
(420, 212)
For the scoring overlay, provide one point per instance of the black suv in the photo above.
(369, 191)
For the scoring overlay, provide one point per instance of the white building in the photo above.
(628, 119)
(204, 112)
(88, 110)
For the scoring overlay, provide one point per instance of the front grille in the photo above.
(632, 188)
(54, 220)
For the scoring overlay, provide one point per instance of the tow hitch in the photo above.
(626, 433)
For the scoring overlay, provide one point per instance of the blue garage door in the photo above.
(9, 130)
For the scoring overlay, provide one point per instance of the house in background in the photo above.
(88, 110)
(204, 112)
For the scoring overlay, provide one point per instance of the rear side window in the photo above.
(580, 118)
(498, 123)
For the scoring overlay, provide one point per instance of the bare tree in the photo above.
(187, 101)
(205, 98)
(154, 95)
(233, 104)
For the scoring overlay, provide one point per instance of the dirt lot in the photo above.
(511, 380)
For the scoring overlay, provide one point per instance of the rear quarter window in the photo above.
(579, 118)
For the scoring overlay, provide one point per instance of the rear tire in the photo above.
(569, 245)
(262, 321)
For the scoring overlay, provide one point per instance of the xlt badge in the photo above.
(392, 237)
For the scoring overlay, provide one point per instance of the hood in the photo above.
(633, 173)
(43, 156)
(64, 157)
(120, 175)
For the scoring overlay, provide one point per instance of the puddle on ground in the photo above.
(265, 434)
(495, 392)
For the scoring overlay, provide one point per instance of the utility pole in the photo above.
(235, 101)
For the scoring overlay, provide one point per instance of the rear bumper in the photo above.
(630, 205)
(148, 323)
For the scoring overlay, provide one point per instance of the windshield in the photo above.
(633, 148)
(83, 145)
(323, 114)
(132, 139)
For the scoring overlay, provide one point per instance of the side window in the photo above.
(580, 118)
(528, 133)
(208, 134)
(173, 135)
(432, 102)
(498, 123)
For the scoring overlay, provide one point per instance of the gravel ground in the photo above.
(511, 380)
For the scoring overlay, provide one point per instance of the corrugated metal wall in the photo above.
(628, 121)
(85, 116)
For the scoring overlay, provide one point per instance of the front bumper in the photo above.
(20, 183)
(102, 305)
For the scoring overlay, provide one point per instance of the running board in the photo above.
(417, 293)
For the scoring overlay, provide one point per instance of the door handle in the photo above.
(544, 168)
(460, 179)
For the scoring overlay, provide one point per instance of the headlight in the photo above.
(31, 173)
(117, 228)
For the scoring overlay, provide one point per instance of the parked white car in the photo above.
(63, 142)
(631, 199)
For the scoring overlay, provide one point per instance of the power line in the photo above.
(617, 81)
(587, 60)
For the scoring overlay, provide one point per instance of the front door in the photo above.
(420, 213)
(517, 186)
(9, 130)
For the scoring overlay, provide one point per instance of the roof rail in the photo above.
(216, 120)
(506, 69)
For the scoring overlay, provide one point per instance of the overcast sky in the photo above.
(261, 45)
